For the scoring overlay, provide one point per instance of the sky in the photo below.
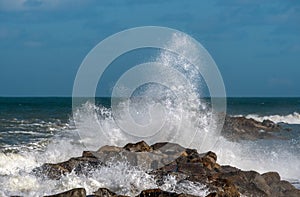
(256, 44)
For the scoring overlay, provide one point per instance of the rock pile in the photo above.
(166, 159)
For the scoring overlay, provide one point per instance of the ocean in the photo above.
(34, 131)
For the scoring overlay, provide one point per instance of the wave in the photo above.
(293, 118)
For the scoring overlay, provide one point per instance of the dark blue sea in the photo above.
(34, 131)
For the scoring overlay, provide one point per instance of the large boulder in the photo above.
(242, 128)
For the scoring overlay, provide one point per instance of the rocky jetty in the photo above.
(168, 159)
(242, 128)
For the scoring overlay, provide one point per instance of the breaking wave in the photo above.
(293, 118)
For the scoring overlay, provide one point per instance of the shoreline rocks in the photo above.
(242, 128)
(169, 159)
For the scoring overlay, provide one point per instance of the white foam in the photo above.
(293, 118)
(187, 187)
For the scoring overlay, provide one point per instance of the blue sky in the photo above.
(256, 44)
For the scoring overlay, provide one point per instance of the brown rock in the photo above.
(209, 160)
(271, 177)
(103, 192)
(79, 165)
(88, 154)
(241, 128)
(291, 193)
(138, 147)
(78, 192)
(168, 148)
(109, 149)
(160, 193)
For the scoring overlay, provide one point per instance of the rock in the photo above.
(291, 193)
(160, 193)
(209, 160)
(224, 188)
(242, 128)
(138, 147)
(78, 192)
(270, 124)
(103, 192)
(81, 165)
(168, 148)
(271, 177)
(109, 149)
(279, 187)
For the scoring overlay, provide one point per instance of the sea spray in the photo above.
(164, 109)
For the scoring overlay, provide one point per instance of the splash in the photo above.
(162, 103)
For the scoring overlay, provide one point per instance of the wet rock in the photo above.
(103, 192)
(168, 148)
(209, 160)
(251, 183)
(271, 177)
(224, 188)
(242, 128)
(291, 193)
(138, 147)
(270, 124)
(160, 193)
(78, 192)
(79, 164)
(184, 164)
(109, 149)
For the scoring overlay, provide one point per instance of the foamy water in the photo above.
(16, 177)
